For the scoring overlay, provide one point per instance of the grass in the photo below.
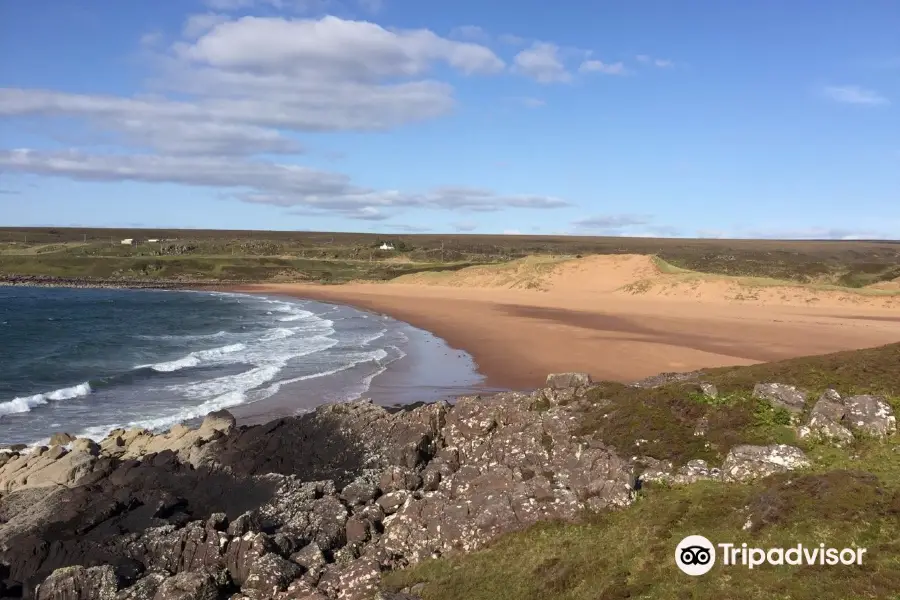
(852, 264)
(840, 281)
(849, 497)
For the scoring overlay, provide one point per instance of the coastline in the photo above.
(517, 337)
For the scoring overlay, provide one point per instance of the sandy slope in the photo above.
(616, 317)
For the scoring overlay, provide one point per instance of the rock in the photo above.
(511, 467)
(396, 596)
(79, 583)
(360, 579)
(696, 470)
(825, 421)
(220, 420)
(188, 586)
(871, 415)
(708, 389)
(781, 395)
(399, 478)
(391, 503)
(144, 589)
(270, 574)
(357, 530)
(561, 381)
(359, 492)
(61, 439)
(665, 378)
(86, 446)
(746, 462)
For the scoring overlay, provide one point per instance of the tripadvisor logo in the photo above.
(696, 555)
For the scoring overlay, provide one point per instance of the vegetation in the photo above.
(849, 497)
(335, 257)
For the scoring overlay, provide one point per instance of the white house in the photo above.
(385, 246)
(128, 242)
(152, 241)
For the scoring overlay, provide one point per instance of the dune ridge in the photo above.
(649, 276)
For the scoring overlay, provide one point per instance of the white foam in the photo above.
(26, 403)
(278, 333)
(194, 358)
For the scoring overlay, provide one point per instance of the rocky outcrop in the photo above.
(784, 396)
(833, 419)
(319, 506)
(747, 462)
(316, 506)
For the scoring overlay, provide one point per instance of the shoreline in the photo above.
(517, 337)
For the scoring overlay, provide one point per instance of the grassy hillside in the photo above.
(71, 250)
(849, 497)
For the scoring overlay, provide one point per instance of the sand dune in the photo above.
(637, 275)
(616, 317)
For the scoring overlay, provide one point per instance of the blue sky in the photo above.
(655, 117)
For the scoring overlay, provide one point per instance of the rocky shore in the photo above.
(319, 506)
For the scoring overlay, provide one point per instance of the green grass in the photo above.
(837, 263)
(849, 497)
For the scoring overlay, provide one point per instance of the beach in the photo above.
(582, 320)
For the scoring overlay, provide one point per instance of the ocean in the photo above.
(86, 361)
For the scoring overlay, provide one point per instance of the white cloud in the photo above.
(611, 221)
(249, 77)
(261, 182)
(464, 226)
(853, 94)
(532, 102)
(662, 63)
(542, 63)
(338, 48)
(511, 232)
(598, 66)
(471, 32)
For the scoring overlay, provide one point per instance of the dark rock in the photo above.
(217, 522)
(359, 492)
(399, 478)
(270, 574)
(79, 583)
(188, 586)
(144, 589)
(391, 503)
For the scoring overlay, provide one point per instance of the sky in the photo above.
(670, 118)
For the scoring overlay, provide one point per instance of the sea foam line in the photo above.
(26, 403)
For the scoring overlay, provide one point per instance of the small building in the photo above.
(128, 242)
(152, 241)
(385, 246)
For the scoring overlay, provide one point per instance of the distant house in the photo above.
(128, 242)
(385, 246)
(153, 241)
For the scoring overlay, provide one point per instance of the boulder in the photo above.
(785, 396)
(871, 415)
(746, 462)
(79, 583)
(61, 439)
(561, 381)
(825, 421)
(270, 574)
(188, 586)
